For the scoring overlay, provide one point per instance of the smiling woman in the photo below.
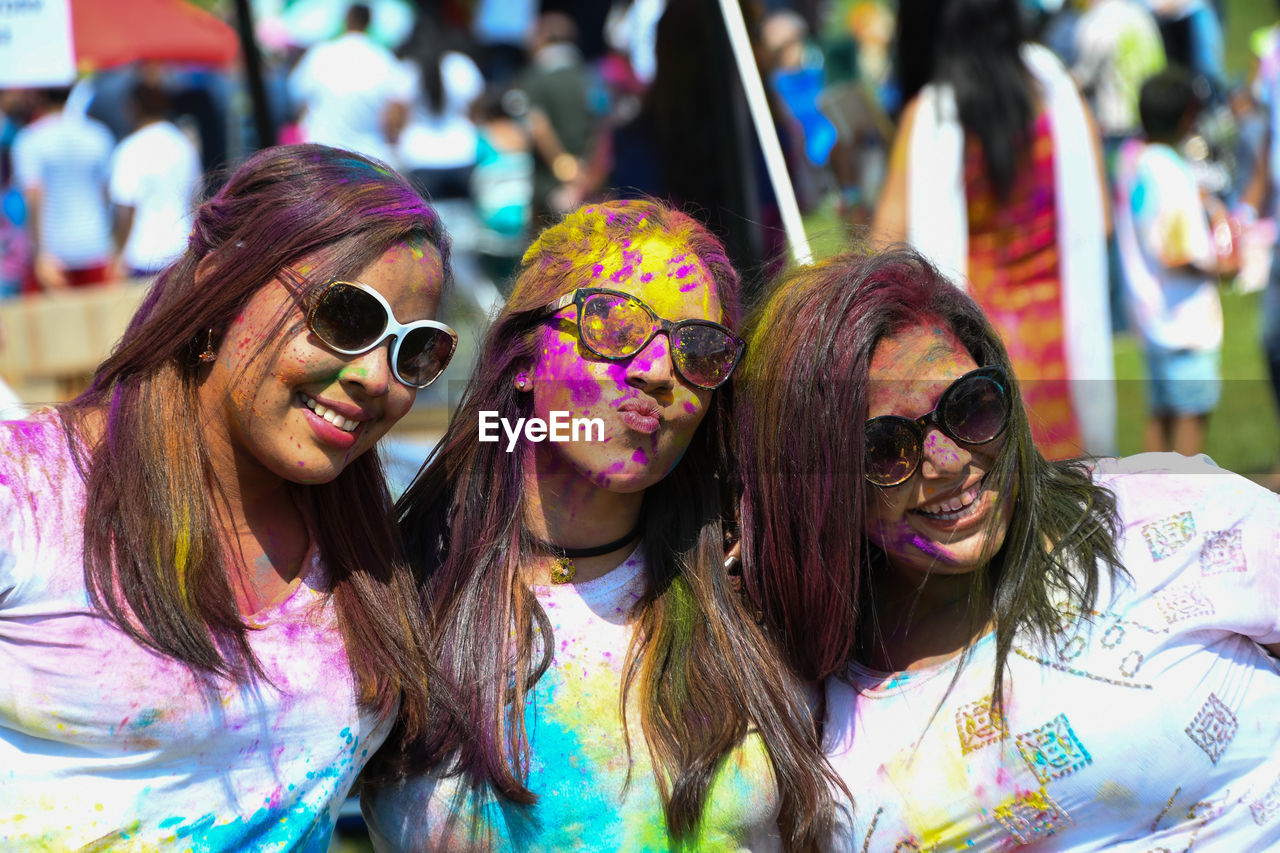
(613, 692)
(205, 623)
(1071, 654)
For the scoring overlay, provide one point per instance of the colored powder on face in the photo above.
(640, 457)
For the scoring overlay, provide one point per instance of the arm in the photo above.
(890, 223)
(49, 272)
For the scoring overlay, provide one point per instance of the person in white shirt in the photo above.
(1075, 655)
(60, 163)
(206, 629)
(352, 92)
(155, 177)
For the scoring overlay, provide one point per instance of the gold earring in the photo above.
(207, 355)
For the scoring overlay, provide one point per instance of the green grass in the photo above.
(1242, 18)
(1244, 433)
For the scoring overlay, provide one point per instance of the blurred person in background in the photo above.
(61, 162)
(155, 178)
(1261, 199)
(997, 177)
(1117, 47)
(437, 149)
(352, 92)
(1173, 261)
(560, 115)
(15, 242)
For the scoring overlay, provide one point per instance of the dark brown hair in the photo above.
(807, 563)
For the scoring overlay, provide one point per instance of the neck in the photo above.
(919, 621)
(565, 509)
(265, 533)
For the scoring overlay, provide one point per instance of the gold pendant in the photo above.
(563, 571)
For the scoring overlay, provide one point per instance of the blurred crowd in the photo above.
(507, 113)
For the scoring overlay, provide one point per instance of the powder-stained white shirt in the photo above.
(105, 743)
(579, 761)
(1153, 725)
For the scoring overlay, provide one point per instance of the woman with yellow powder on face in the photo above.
(612, 691)
(205, 627)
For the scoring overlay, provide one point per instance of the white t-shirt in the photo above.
(66, 156)
(107, 744)
(1153, 728)
(447, 139)
(579, 761)
(1163, 226)
(156, 171)
(346, 86)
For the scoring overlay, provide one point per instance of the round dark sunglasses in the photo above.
(614, 326)
(973, 410)
(352, 318)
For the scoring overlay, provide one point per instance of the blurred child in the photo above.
(1172, 258)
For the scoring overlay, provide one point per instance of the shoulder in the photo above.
(1167, 503)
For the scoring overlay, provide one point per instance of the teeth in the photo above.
(954, 507)
(330, 415)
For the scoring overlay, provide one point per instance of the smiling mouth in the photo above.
(956, 508)
(344, 424)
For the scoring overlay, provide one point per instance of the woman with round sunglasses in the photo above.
(206, 627)
(1065, 655)
(611, 690)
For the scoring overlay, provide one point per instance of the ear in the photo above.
(523, 380)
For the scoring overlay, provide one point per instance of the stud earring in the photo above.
(207, 355)
(522, 382)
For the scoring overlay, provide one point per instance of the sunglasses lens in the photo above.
(424, 354)
(348, 319)
(614, 326)
(976, 409)
(893, 450)
(704, 354)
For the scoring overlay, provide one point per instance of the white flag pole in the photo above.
(768, 135)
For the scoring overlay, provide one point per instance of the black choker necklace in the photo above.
(564, 569)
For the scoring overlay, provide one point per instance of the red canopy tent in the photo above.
(107, 34)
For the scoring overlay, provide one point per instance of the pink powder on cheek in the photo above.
(690, 407)
(640, 457)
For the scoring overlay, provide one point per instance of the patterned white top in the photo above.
(1152, 727)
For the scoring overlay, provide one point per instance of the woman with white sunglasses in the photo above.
(205, 625)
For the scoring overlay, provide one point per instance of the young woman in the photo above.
(613, 692)
(1067, 654)
(205, 627)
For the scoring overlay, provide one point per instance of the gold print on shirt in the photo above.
(1213, 728)
(1053, 750)
(1031, 816)
(978, 725)
(1183, 602)
(1223, 551)
(1168, 535)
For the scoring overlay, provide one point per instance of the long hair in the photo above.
(972, 46)
(807, 563)
(153, 545)
(703, 671)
